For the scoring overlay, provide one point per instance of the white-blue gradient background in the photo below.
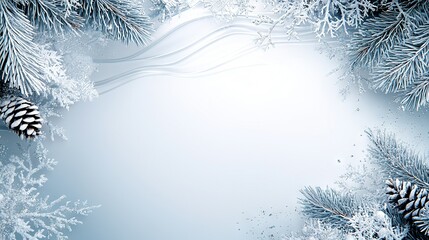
(200, 157)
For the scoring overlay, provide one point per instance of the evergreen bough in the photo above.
(27, 62)
(328, 205)
(386, 38)
(394, 45)
(406, 205)
(20, 21)
(397, 161)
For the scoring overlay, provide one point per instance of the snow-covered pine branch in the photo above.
(19, 55)
(328, 206)
(120, 20)
(399, 212)
(418, 95)
(406, 63)
(371, 43)
(397, 161)
(53, 15)
(378, 35)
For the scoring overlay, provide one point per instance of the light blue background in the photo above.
(179, 158)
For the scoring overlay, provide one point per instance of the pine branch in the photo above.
(328, 206)
(418, 96)
(375, 38)
(120, 20)
(378, 35)
(19, 56)
(397, 161)
(406, 63)
(52, 16)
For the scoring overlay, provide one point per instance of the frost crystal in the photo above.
(315, 230)
(372, 223)
(24, 214)
(228, 9)
(62, 90)
(326, 16)
(165, 9)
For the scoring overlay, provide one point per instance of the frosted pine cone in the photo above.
(411, 201)
(21, 116)
(408, 199)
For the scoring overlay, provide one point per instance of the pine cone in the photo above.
(411, 201)
(408, 199)
(21, 116)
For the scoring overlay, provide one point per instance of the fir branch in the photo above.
(328, 206)
(397, 161)
(406, 63)
(53, 16)
(19, 56)
(120, 20)
(418, 96)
